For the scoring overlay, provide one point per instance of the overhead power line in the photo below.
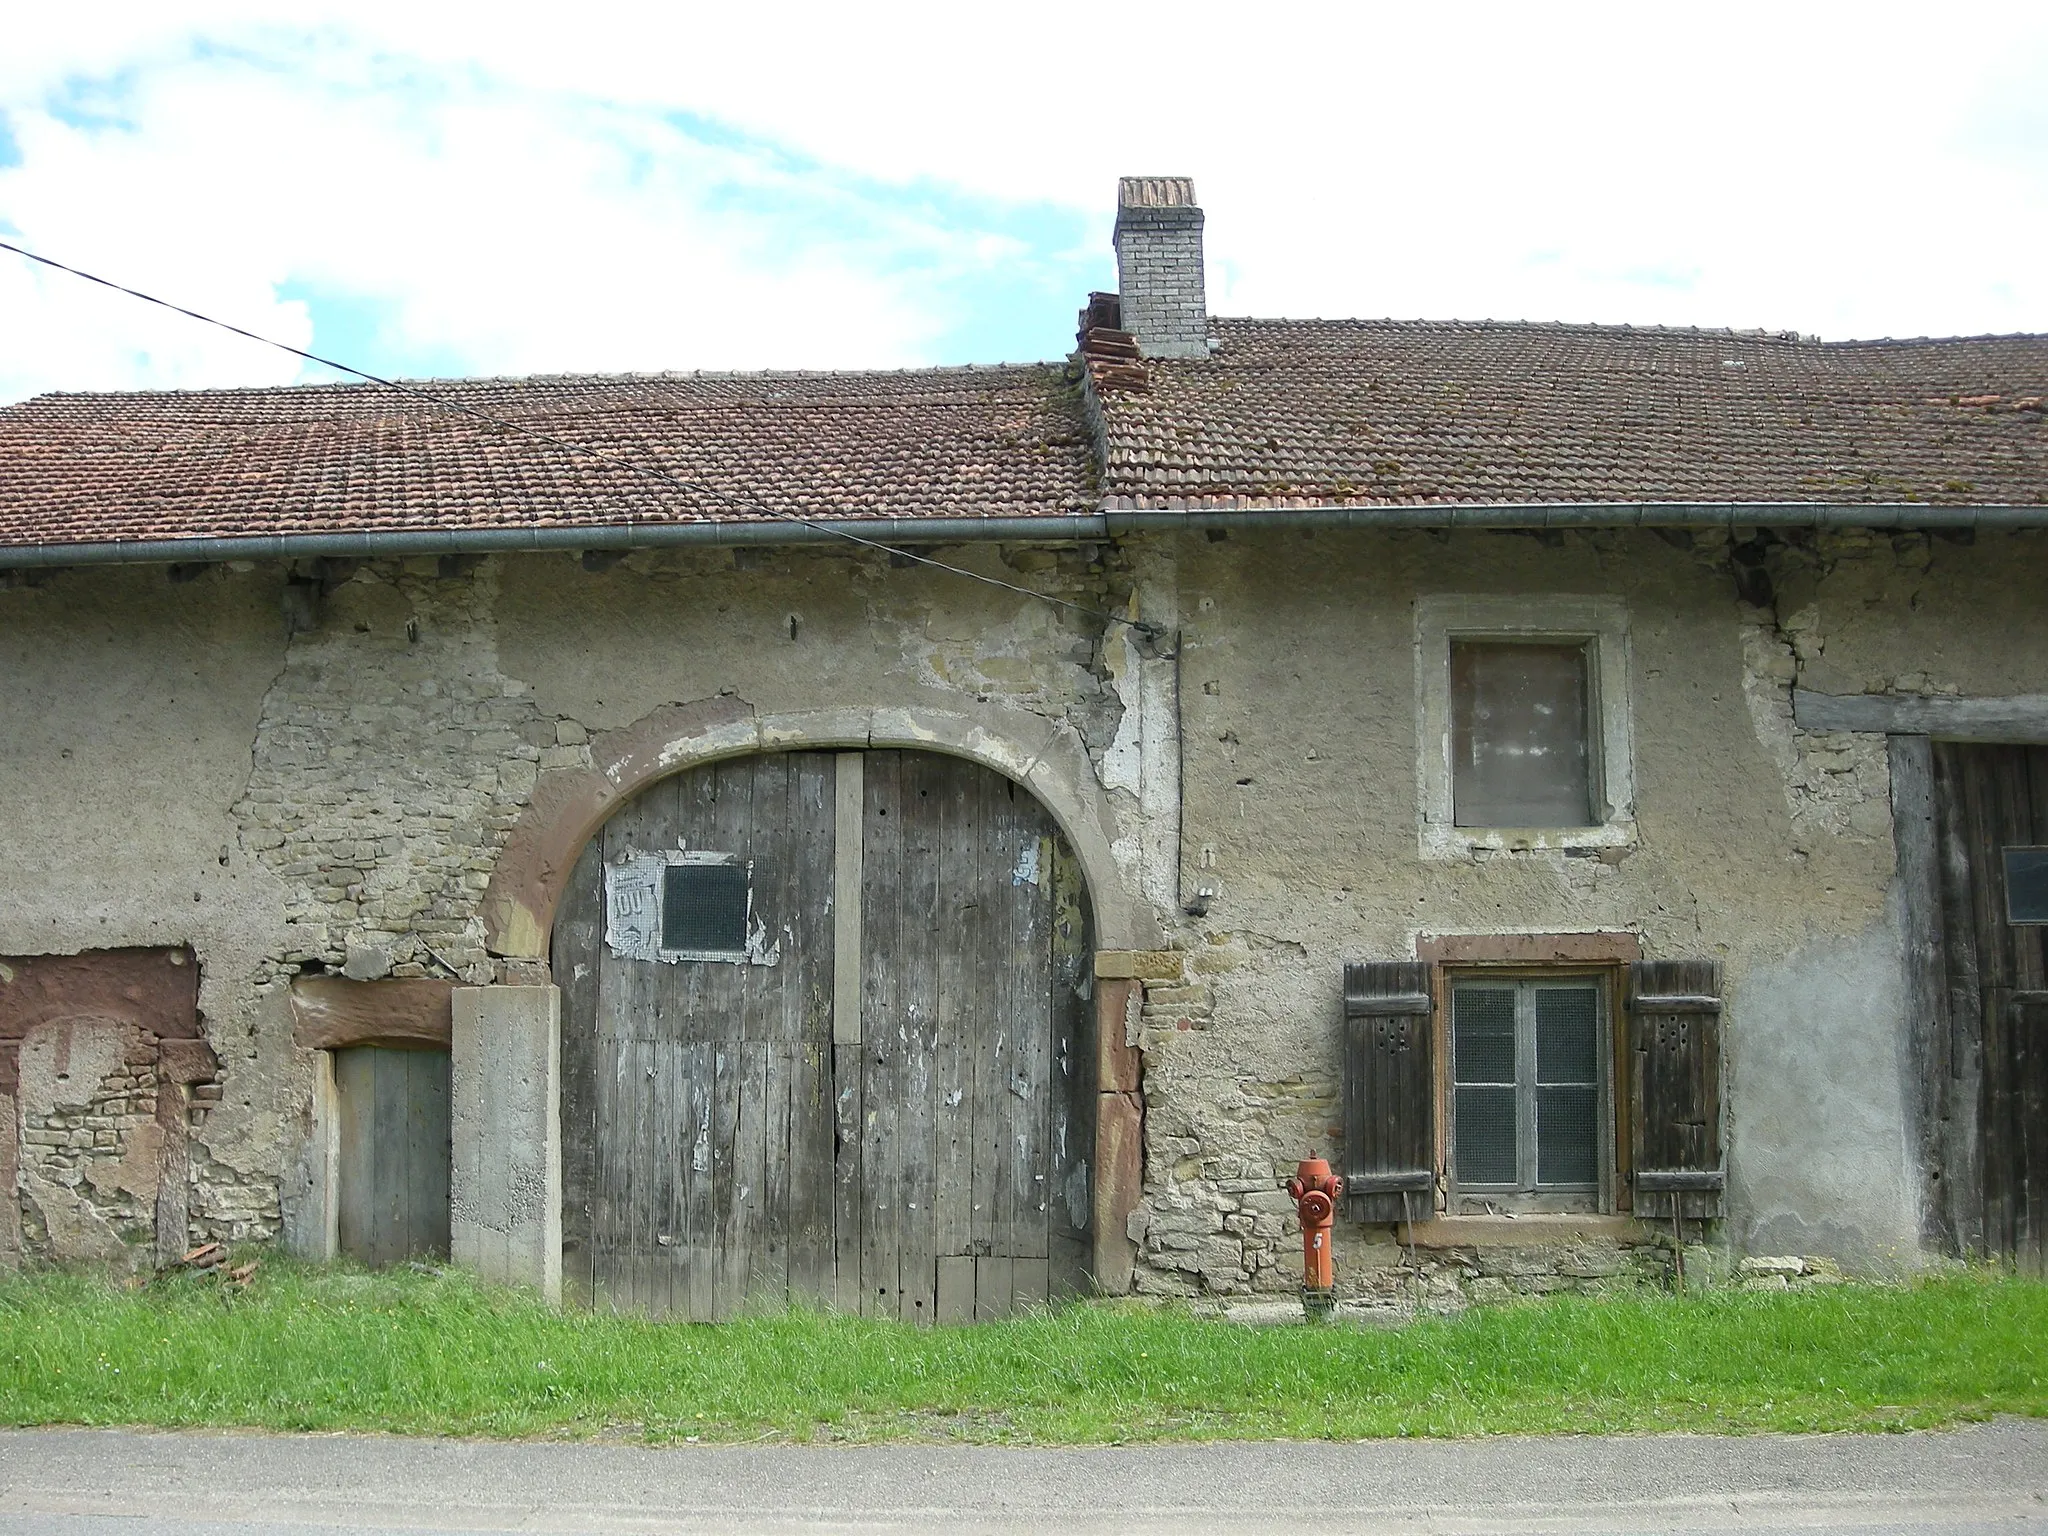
(649, 471)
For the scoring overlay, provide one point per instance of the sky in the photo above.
(434, 190)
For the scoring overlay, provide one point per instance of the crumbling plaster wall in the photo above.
(336, 799)
(130, 706)
(330, 792)
(1760, 845)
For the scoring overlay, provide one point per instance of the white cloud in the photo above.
(636, 186)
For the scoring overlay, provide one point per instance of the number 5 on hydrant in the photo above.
(1315, 1190)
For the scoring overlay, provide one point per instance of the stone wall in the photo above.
(331, 794)
(89, 1142)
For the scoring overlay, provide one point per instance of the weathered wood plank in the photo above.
(428, 1153)
(845, 1086)
(1389, 1091)
(813, 1176)
(849, 820)
(2013, 718)
(995, 1287)
(986, 943)
(956, 991)
(1675, 1026)
(1030, 1281)
(355, 1107)
(579, 934)
(768, 1276)
(919, 937)
(696, 1165)
(1072, 1075)
(882, 1036)
(956, 1289)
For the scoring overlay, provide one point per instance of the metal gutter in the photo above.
(1063, 528)
(1593, 514)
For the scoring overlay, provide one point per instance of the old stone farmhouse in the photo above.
(1590, 781)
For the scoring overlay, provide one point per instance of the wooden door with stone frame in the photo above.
(732, 1137)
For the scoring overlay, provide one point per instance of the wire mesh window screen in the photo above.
(1526, 1086)
(2026, 885)
(1483, 1054)
(1520, 754)
(704, 908)
(1567, 1085)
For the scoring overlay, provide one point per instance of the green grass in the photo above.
(306, 1348)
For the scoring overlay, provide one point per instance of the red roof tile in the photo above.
(1363, 412)
(953, 442)
(1285, 414)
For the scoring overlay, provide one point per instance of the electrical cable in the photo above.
(835, 530)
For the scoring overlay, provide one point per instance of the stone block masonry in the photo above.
(391, 759)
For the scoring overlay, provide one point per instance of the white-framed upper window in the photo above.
(1525, 725)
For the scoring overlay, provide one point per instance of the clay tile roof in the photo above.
(942, 442)
(1362, 412)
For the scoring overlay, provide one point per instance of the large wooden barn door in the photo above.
(742, 1125)
(1992, 839)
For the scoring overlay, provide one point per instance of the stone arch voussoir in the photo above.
(568, 806)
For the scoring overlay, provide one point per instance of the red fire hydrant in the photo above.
(1315, 1190)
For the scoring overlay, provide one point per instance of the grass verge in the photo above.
(329, 1349)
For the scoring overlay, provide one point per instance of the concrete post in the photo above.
(10, 1155)
(505, 1174)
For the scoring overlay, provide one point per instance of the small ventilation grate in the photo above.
(704, 908)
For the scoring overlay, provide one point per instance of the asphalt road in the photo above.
(101, 1482)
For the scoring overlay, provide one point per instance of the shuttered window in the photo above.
(1527, 1088)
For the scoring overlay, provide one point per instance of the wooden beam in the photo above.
(2019, 717)
(849, 805)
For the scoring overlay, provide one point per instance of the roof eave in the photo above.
(1110, 521)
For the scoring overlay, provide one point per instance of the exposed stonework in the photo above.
(337, 800)
(90, 1143)
(1835, 783)
(391, 758)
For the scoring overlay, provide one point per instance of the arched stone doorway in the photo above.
(827, 1034)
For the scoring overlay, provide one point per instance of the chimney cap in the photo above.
(1155, 192)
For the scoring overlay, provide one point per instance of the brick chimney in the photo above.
(1159, 265)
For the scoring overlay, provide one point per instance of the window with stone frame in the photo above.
(1524, 724)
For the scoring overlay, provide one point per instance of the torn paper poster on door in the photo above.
(632, 906)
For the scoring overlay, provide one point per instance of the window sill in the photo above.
(1520, 1231)
(1441, 841)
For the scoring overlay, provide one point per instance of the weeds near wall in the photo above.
(429, 1353)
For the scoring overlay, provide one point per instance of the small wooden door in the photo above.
(1992, 840)
(391, 1108)
(732, 1137)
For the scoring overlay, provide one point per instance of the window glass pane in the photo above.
(2026, 885)
(704, 907)
(1567, 1136)
(1519, 754)
(1485, 1148)
(1483, 1034)
(1567, 1035)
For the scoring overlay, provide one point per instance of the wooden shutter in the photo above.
(1389, 1092)
(1675, 1088)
